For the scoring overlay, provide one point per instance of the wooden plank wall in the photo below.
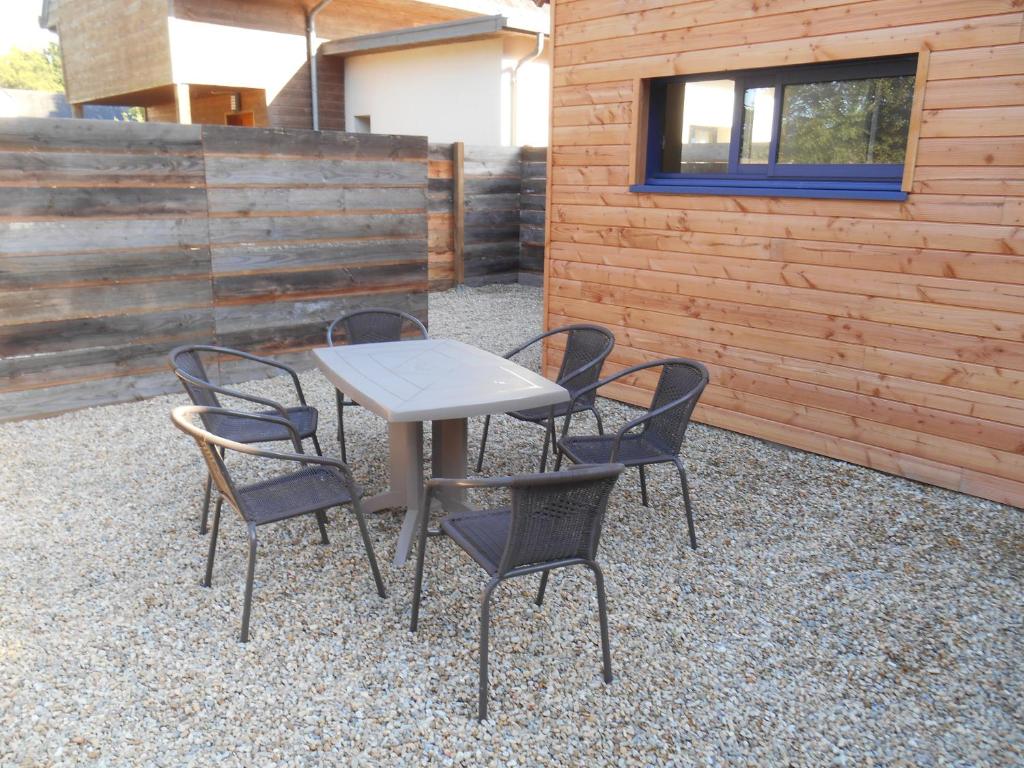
(104, 260)
(119, 241)
(439, 217)
(504, 215)
(492, 214)
(532, 202)
(883, 333)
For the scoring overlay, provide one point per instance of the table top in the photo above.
(433, 379)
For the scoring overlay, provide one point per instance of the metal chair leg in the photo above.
(483, 444)
(602, 613)
(316, 445)
(206, 505)
(247, 605)
(213, 543)
(358, 509)
(321, 521)
(597, 416)
(558, 460)
(686, 502)
(421, 554)
(340, 399)
(549, 437)
(543, 586)
(485, 628)
(643, 486)
(206, 499)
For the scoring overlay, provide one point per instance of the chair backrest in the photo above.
(678, 376)
(584, 344)
(371, 326)
(557, 515)
(187, 360)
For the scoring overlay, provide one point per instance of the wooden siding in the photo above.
(110, 48)
(119, 241)
(882, 333)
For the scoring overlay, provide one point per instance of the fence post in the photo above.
(459, 211)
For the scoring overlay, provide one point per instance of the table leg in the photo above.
(448, 458)
(405, 451)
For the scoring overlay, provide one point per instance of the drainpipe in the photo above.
(514, 111)
(311, 59)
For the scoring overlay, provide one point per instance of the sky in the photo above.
(19, 26)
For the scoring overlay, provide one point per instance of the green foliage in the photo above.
(133, 115)
(32, 70)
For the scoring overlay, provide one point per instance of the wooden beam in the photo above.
(182, 103)
(459, 210)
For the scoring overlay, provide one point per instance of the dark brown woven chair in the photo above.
(187, 363)
(663, 427)
(586, 347)
(554, 521)
(317, 485)
(368, 326)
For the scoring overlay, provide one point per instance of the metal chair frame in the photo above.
(181, 416)
(189, 382)
(340, 400)
(507, 569)
(668, 455)
(562, 379)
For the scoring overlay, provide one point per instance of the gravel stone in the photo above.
(832, 616)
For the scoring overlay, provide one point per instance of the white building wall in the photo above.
(446, 92)
(454, 92)
(533, 91)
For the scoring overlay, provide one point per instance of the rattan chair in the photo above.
(586, 347)
(554, 521)
(317, 485)
(368, 326)
(663, 427)
(188, 366)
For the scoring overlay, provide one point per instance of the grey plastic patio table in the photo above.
(437, 380)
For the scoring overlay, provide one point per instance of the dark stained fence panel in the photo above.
(120, 241)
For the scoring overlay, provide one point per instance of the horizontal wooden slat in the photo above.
(75, 169)
(234, 170)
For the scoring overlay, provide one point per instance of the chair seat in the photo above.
(543, 412)
(597, 449)
(482, 534)
(308, 490)
(304, 417)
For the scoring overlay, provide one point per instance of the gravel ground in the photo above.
(833, 615)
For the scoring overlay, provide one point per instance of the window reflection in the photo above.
(848, 122)
(698, 126)
(758, 111)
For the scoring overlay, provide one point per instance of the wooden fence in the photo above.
(494, 231)
(119, 241)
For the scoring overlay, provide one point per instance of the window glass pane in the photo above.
(698, 126)
(850, 122)
(758, 111)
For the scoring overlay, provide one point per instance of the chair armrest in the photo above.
(262, 360)
(232, 393)
(180, 417)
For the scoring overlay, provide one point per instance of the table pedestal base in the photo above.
(405, 448)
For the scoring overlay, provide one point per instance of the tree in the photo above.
(32, 70)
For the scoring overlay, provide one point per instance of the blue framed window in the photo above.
(819, 130)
